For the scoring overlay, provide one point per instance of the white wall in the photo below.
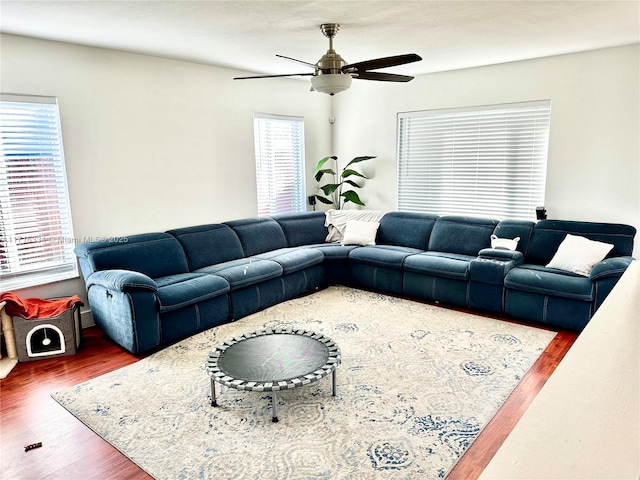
(153, 144)
(594, 158)
(584, 422)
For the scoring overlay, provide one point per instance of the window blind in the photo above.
(279, 152)
(483, 161)
(36, 233)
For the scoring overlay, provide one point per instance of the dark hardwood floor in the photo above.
(71, 451)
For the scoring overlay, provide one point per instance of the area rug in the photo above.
(416, 386)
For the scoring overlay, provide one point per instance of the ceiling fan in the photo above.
(333, 75)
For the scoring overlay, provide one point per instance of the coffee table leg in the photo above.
(333, 382)
(214, 403)
(274, 406)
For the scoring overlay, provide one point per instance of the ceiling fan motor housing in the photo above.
(330, 63)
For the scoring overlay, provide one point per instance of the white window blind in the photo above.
(36, 234)
(279, 151)
(483, 161)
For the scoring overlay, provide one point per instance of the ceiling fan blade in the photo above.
(275, 76)
(383, 77)
(312, 65)
(383, 62)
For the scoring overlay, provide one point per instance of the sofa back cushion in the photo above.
(258, 235)
(462, 235)
(154, 254)
(303, 228)
(516, 228)
(548, 235)
(207, 245)
(406, 229)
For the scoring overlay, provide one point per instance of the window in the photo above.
(484, 161)
(279, 149)
(36, 235)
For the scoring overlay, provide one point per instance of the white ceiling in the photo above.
(246, 35)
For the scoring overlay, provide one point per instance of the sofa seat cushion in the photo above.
(177, 291)
(293, 259)
(243, 272)
(387, 256)
(440, 264)
(549, 281)
(333, 251)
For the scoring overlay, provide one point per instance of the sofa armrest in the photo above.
(124, 306)
(610, 267)
(122, 281)
(605, 275)
(487, 273)
(493, 264)
(501, 254)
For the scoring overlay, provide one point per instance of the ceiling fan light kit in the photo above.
(331, 83)
(333, 75)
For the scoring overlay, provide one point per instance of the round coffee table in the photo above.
(273, 359)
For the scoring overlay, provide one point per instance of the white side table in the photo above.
(11, 360)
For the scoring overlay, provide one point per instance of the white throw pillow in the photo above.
(578, 254)
(336, 221)
(358, 232)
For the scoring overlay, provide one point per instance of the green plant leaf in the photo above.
(320, 173)
(349, 172)
(359, 159)
(326, 201)
(352, 183)
(329, 188)
(321, 164)
(351, 196)
(337, 198)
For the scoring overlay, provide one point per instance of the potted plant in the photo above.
(341, 190)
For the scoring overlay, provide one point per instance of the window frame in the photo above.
(270, 199)
(495, 167)
(36, 228)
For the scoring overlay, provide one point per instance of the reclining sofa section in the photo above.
(157, 288)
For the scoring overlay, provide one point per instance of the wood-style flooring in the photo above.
(70, 450)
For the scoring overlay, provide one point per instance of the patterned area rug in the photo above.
(416, 386)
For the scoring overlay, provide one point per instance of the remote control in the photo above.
(32, 446)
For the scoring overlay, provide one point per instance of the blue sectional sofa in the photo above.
(150, 290)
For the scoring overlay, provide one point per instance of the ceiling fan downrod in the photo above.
(331, 62)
